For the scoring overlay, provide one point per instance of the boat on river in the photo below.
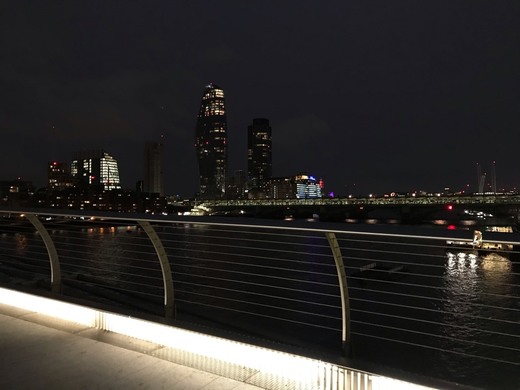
(478, 245)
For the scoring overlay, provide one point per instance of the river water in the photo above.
(444, 314)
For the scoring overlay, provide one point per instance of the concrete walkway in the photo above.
(38, 352)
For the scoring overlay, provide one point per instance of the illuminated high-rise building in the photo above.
(259, 153)
(95, 169)
(294, 187)
(154, 180)
(211, 143)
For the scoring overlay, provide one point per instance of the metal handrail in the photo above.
(291, 283)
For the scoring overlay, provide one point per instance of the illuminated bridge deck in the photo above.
(41, 353)
(45, 351)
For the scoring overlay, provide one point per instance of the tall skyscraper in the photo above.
(153, 178)
(211, 143)
(259, 153)
(95, 169)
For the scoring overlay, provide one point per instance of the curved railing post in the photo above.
(345, 302)
(165, 267)
(51, 250)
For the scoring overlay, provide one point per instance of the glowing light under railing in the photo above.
(62, 310)
(384, 383)
(302, 370)
(274, 362)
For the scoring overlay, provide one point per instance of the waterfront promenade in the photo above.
(44, 351)
(39, 352)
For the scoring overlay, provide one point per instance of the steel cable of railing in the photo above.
(423, 286)
(270, 277)
(115, 288)
(430, 298)
(262, 295)
(109, 266)
(236, 236)
(371, 260)
(154, 278)
(119, 287)
(126, 258)
(439, 336)
(266, 285)
(405, 244)
(31, 260)
(404, 262)
(270, 250)
(414, 319)
(462, 327)
(16, 265)
(262, 232)
(314, 314)
(279, 260)
(209, 260)
(407, 273)
(259, 315)
(440, 349)
(256, 233)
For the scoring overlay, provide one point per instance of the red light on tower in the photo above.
(449, 207)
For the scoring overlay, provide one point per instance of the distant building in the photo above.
(154, 178)
(15, 192)
(259, 153)
(95, 169)
(308, 187)
(294, 187)
(236, 186)
(280, 188)
(211, 143)
(59, 177)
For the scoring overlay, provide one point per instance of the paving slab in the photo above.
(34, 355)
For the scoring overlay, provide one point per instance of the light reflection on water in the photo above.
(474, 287)
(21, 244)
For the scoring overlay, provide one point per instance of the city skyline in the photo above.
(371, 97)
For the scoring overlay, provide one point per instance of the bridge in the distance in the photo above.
(409, 209)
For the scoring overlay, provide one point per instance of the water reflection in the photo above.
(21, 244)
(496, 271)
(472, 291)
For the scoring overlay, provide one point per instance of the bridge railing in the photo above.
(424, 298)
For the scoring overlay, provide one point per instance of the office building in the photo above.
(236, 185)
(307, 187)
(59, 177)
(294, 187)
(211, 143)
(153, 178)
(259, 153)
(95, 169)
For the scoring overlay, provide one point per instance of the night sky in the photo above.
(371, 96)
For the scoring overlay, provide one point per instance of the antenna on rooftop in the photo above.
(494, 178)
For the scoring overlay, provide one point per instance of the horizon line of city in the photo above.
(215, 181)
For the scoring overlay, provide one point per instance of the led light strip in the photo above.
(309, 373)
